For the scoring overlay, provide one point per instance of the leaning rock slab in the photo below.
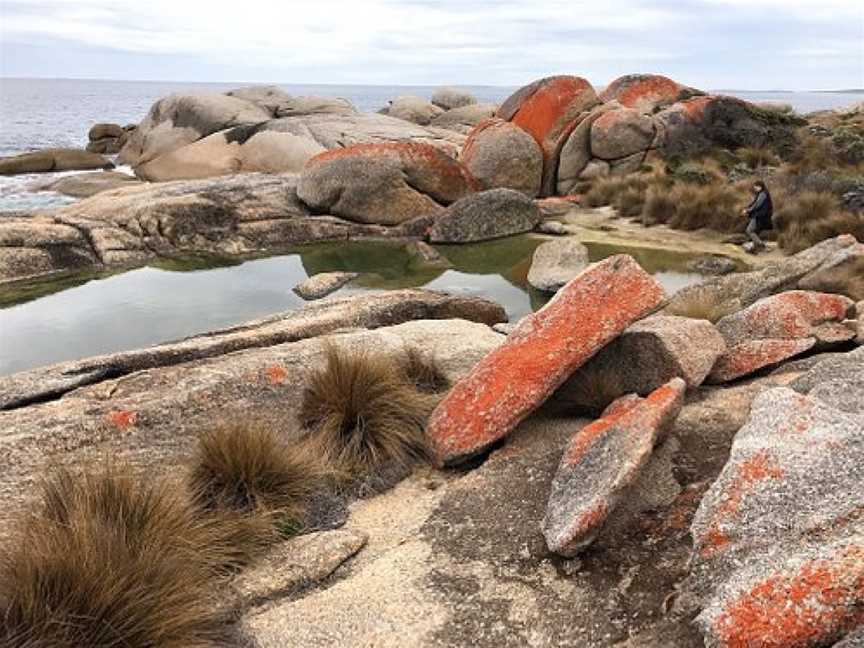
(779, 327)
(842, 273)
(647, 355)
(485, 215)
(323, 283)
(502, 155)
(546, 347)
(555, 263)
(602, 462)
(778, 539)
(385, 184)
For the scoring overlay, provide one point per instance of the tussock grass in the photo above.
(252, 469)
(423, 372)
(107, 560)
(700, 304)
(805, 219)
(814, 154)
(365, 411)
(755, 157)
(690, 207)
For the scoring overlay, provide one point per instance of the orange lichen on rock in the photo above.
(276, 374)
(814, 606)
(550, 108)
(123, 419)
(747, 357)
(546, 347)
(644, 91)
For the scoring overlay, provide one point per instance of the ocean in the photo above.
(43, 113)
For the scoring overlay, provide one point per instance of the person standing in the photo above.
(760, 213)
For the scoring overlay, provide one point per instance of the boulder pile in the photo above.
(109, 139)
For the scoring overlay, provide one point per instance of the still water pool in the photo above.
(43, 323)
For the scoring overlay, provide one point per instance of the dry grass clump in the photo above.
(251, 469)
(755, 157)
(365, 411)
(814, 154)
(423, 372)
(690, 207)
(604, 190)
(701, 304)
(805, 219)
(109, 560)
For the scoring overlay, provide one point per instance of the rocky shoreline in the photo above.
(622, 467)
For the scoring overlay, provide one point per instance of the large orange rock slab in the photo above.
(539, 355)
(385, 184)
(602, 461)
(647, 92)
(548, 110)
(779, 537)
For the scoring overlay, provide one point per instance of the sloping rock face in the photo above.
(647, 355)
(543, 350)
(485, 215)
(151, 418)
(778, 539)
(837, 381)
(53, 160)
(236, 215)
(779, 327)
(602, 462)
(413, 109)
(548, 110)
(385, 183)
(555, 263)
(84, 185)
(499, 154)
(647, 93)
(736, 291)
(464, 119)
(841, 273)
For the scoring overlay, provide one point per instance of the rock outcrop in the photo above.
(647, 93)
(58, 159)
(780, 327)
(108, 139)
(602, 462)
(778, 539)
(384, 184)
(539, 355)
(449, 98)
(416, 110)
(84, 185)
(555, 263)
(322, 284)
(485, 215)
(499, 154)
(464, 119)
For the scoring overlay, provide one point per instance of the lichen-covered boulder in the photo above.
(778, 556)
(449, 98)
(180, 119)
(647, 93)
(548, 110)
(386, 184)
(779, 327)
(53, 160)
(602, 462)
(555, 263)
(243, 149)
(485, 215)
(464, 119)
(576, 157)
(416, 110)
(620, 133)
(647, 355)
(539, 355)
(502, 155)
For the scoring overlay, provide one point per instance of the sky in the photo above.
(712, 44)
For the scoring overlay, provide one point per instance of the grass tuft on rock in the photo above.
(423, 372)
(107, 559)
(366, 412)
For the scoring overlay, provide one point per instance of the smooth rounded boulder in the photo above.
(312, 105)
(502, 155)
(464, 119)
(538, 356)
(180, 119)
(548, 110)
(57, 159)
(576, 158)
(620, 133)
(385, 184)
(449, 98)
(269, 97)
(414, 109)
(555, 263)
(485, 215)
(647, 93)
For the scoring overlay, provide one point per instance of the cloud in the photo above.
(474, 41)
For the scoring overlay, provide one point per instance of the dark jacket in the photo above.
(762, 210)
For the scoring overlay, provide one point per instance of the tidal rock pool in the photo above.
(75, 317)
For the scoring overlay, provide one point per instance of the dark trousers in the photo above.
(753, 232)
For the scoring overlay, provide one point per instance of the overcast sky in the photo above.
(743, 44)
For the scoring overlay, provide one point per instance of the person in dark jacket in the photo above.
(760, 213)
